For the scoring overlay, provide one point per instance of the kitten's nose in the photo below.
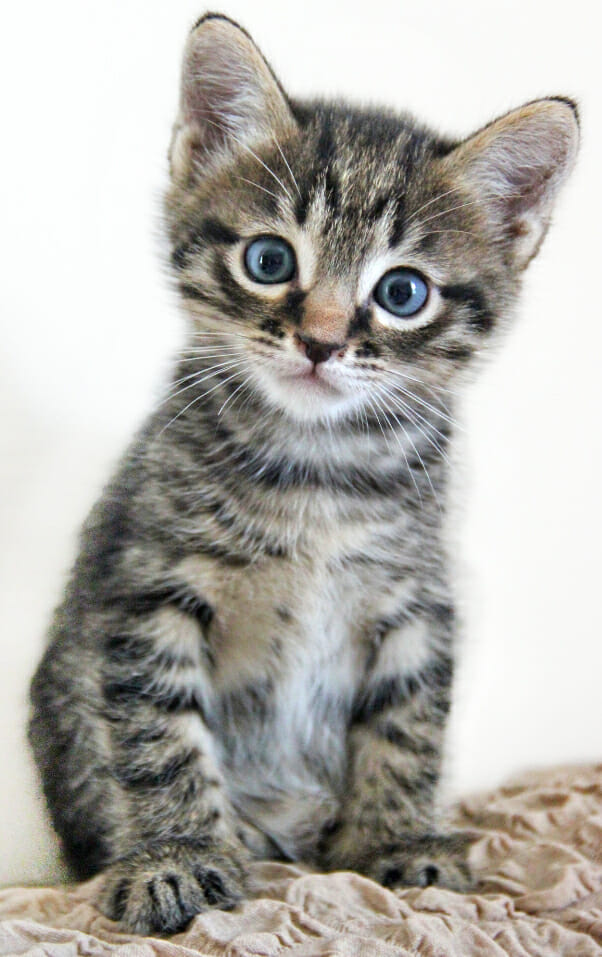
(317, 351)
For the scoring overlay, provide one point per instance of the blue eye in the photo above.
(270, 259)
(401, 292)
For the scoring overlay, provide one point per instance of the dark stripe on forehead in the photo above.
(332, 190)
(374, 213)
(325, 149)
(399, 222)
(472, 296)
(302, 207)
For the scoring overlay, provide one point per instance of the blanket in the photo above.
(537, 856)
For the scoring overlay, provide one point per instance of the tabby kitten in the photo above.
(254, 655)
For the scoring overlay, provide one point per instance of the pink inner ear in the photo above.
(522, 159)
(530, 166)
(209, 97)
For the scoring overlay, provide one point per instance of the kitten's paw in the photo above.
(422, 860)
(158, 890)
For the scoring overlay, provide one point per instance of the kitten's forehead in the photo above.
(357, 174)
(355, 169)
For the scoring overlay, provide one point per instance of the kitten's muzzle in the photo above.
(316, 350)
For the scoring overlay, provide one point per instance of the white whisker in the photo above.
(208, 373)
(411, 414)
(257, 186)
(435, 199)
(292, 175)
(403, 451)
(197, 398)
(444, 212)
(225, 129)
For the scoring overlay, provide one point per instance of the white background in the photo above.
(88, 95)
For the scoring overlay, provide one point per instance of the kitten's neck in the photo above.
(371, 448)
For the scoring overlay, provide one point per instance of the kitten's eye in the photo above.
(401, 292)
(270, 259)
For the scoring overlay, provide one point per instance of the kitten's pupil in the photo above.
(271, 262)
(400, 292)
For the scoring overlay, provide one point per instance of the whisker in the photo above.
(438, 232)
(191, 354)
(435, 199)
(419, 457)
(419, 417)
(228, 131)
(444, 212)
(231, 396)
(292, 175)
(248, 383)
(257, 186)
(230, 333)
(208, 373)
(430, 388)
(198, 398)
(412, 416)
(403, 451)
(431, 408)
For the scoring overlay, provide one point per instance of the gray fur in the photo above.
(255, 651)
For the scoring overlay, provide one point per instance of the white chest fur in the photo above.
(289, 649)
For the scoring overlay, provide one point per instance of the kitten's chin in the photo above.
(308, 397)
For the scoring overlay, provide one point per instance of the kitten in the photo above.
(255, 651)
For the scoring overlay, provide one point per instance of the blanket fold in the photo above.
(538, 857)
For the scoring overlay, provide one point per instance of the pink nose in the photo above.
(317, 351)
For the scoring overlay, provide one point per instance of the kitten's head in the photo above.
(337, 256)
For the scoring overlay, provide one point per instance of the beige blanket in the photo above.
(538, 857)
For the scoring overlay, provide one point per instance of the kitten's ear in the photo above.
(516, 166)
(229, 99)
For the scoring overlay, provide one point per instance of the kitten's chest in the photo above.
(288, 655)
(290, 642)
(285, 615)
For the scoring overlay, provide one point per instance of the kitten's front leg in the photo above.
(175, 839)
(387, 827)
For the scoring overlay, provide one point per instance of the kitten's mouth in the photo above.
(312, 378)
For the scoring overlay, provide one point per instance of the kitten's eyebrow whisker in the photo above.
(454, 189)
(228, 131)
(437, 232)
(257, 186)
(292, 175)
(451, 209)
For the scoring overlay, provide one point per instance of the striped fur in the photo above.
(255, 651)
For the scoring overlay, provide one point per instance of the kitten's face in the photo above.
(342, 259)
